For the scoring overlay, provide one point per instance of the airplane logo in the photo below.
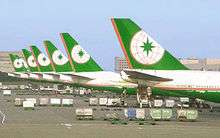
(79, 55)
(145, 50)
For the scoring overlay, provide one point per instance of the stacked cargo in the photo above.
(67, 102)
(140, 113)
(84, 113)
(93, 101)
(43, 101)
(161, 114)
(166, 114)
(158, 103)
(113, 102)
(55, 101)
(132, 113)
(187, 114)
(192, 115)
(7, 92)
(155, 114)
(169, 103)
(103, 101)
(184, 102)
(28, 105)
(33, 100)
(19, 101)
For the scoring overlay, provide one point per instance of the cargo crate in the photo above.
(19, 101)
(84, 113)
(155, 113)
(67, 102)
(28, 105)
(43, 101)
(166, 114)
(55, 101)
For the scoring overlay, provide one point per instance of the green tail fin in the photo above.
(30, 60)
(42, 60)
(18, 63)
(141, 51)
(80, 59)
(59, 61)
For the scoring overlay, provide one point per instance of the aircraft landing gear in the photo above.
(144, 96)
(123, 97)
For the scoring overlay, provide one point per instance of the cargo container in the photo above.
(181, 114)
(185, 105)
(187, 114)
(32, 100)
(113, 102)
(140, 113)
(169, 103)
(84, 113)
(192, 114)
(55, 101)
(19, 101)
(155, 113)
(81, 92)
(28, 104)
(166, 114)
(103, 101)
(43, 101)
(93, 101)
(110, 102)
(161, 114)
(7, 92)
(184, 99)
(67, 102)
(158, 103)
(130, 113)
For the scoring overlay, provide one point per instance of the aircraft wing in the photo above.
(152, 79)
(78, 76)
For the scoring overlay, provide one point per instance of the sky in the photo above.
(186, 28)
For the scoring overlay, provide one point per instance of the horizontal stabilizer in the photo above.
(144, 76)
(76, 76)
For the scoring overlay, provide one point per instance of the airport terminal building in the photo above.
(209, 64)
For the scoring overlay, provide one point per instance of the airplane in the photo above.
(85, 71)
(155, 69)
(78, 70)
(86, 74)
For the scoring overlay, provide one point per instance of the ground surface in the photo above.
(61, 122)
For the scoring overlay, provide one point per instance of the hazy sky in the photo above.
(186, 28)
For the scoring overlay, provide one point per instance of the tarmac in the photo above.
(57, 122)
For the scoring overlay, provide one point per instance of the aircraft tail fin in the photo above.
(29, 58)
(80, 59)
(142, 51)
(18, 63)
(43, 61)
(59, 61)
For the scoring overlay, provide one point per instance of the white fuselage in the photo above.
(98, 78)
(105, 79)
(187, 79)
